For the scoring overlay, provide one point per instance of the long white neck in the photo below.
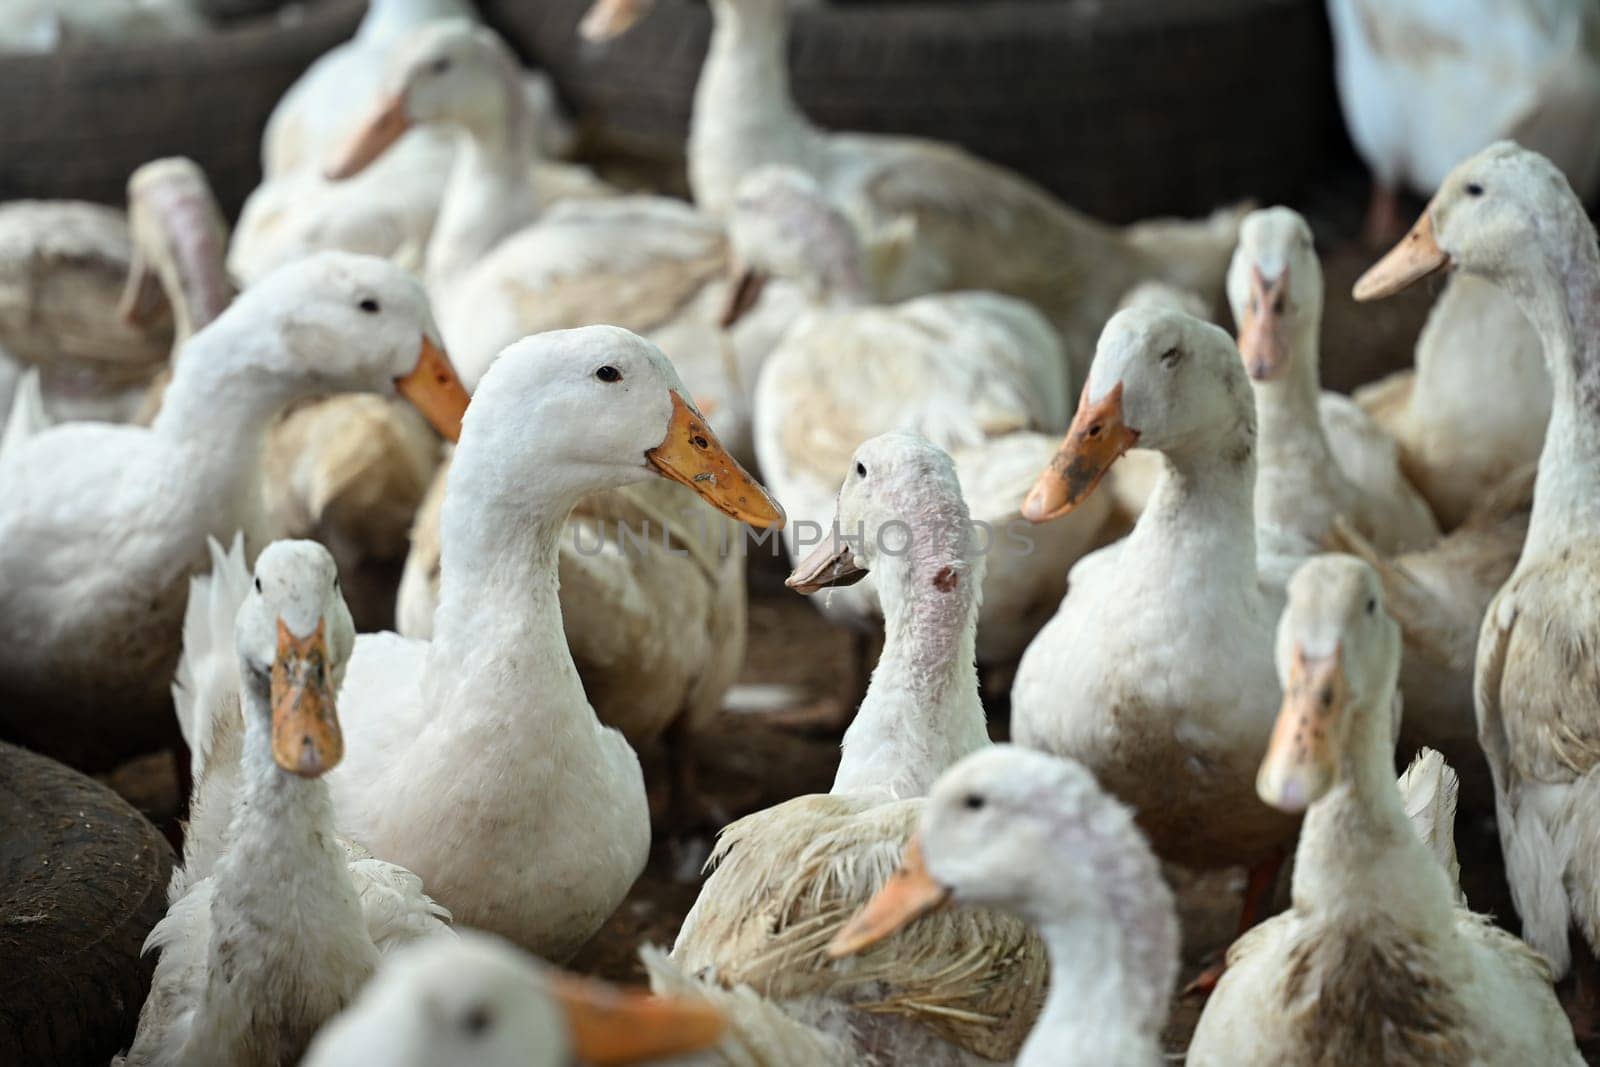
(1200, 519)
(490, 194)
(921, 712)
(1297, 466)
(386, 21)
(744, 116)
(1564, 308)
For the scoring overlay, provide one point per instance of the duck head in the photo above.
(448, 71)
(1275, 288)
(1161, 379)
(294, 637)
(572, 412)
(1338, 655)
(782, 225)
(180, 241)
(352, 323)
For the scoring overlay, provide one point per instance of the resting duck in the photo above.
(1376, 962)
(976, 225)
(1423, 83)
(1156, 671)
(979, 374)
(476, 759)
(1319, 456)
(1509, 215)
(1472, 411)
(63, 266)
(272, 928)
(1034, 835)
(100, 526)
(475, 1001)
(785, 880)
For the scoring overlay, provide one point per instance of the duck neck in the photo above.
(744, 115)
(921, 711)
(1359, 856)
(1296, 462)
(386, 21)
(1202, 513)
(1564, 309)
(490, 193)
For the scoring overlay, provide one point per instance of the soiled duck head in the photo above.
(1338, 655)
(180, 245)
(1275, 288)
(294, 637)
(1161, 380)
(783, 226)
(477, 1001)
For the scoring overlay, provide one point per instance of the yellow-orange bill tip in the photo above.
(610, 1026)
(385, 125)
(434, 388)
(691, 455)
(909, 894)
(1416, 256)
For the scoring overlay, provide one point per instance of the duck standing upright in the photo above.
(1375, 962)
(1156, 670)
(1510, 215)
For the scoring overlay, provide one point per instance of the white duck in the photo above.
(1022, 831)
(272, 927)
(980, 374)
(1156, 670)
(1376, 962)
(785, 879)
(1425, 82)
(57, 25)
(475, 1001)
(1509, 215)
(100, 526)
(1319, 456)
(975, 225)
(476, 759)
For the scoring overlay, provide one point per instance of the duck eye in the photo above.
(477, 1021)
(1170, 357)
(1372, 605)
(608, 373)
(335, 583)
(861, 469)
(1474, 189)
(440, 66)
(369, 305)
(258, 585)
(973, 801)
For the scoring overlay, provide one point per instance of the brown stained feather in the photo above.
(786, 879)
(642, 299)
(1370, 995)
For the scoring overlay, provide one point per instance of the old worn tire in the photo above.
(75, 125)
(83, 878)
(1125, 109)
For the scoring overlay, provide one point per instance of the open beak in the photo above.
(910, 893)
(608, 1026)
(1095, 439)
(387, 123)
(142, 295)
(434, 389)
(305, 728)
(691, 454)
(1415, 257)
(609, 19)
(831, 563)
(1302, 757)
(1263, 339)
(744, 290)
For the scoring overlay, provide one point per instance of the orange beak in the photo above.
(434, 389)
(831, 563)
(1416, 256)
(305, 728)
(1302, 758)
(387, 123)
(1263, 338)
(612, 1026)
(691, 455)
(1094, 441)
(609, 19)
(909, 894)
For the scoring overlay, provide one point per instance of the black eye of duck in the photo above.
(608, 373)
(1474, 189)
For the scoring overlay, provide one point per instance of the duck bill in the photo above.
(832, 563)
(142, 295)
(1263, 338)
(305, 727)
(691, 454)
(1094, 441)
(387, 123)
(1416, 256)
(1302, 757)
(744, 291)
(909, 894)
(609, 19)
(612, 1026)
(434, 389)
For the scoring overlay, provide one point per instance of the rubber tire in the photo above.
(1134, 107)
(83, 878)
